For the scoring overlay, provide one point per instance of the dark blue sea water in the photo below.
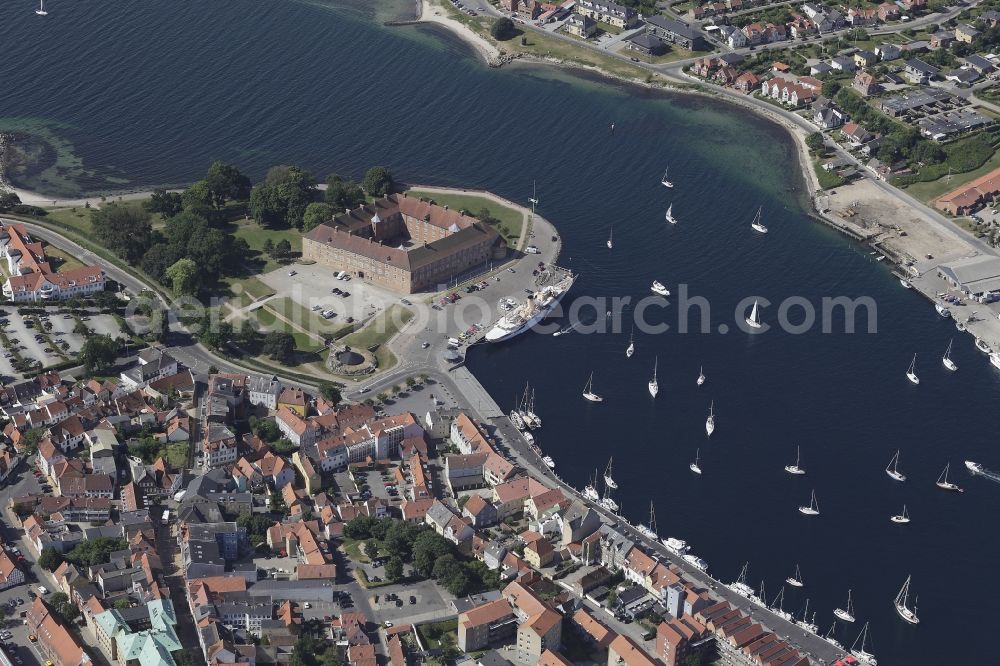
(135, 94)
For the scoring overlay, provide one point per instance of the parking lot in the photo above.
(14, 634)
(31, 341)
(311, 286)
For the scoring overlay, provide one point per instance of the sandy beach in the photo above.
(431, 13)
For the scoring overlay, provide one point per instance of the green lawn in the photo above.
(432, 634)
(511, 220)
(379, 331)
(932, 189)
(77, 218)
(827, 179)
(60, 260)
(256, 235)
(302, 316)
(353, 550)
(250, 289)
(177, 454)
(303, 342)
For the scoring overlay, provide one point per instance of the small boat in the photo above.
(528, 437)
(946, 359)
(670, 214)
(694, 466)
(910, 373)
(609, 504)
(901, 518)
(588, 392)
(995, 360)
(942, 310)
(974, 467)
(944, 484)
(649, 531)
(960, 326)
(813, 508)
(608, 481)
(795, 469)
(590, 490)
(631, 344)
(859, 652)
(710, 421)
(516, 419)
(905, 283)
(658, 288)
(892, 469)
(796, 580)
(611, 235)
(654, 387)
(910, 615)
(41, 8)
(757, 225)
(740, 586)
(982, 346)
(665, 181)
(549, 462)
(696, 562)
(676, 546)
(846, 614)
(753, 321)
(701, 376)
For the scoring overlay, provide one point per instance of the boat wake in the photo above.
(979, 470)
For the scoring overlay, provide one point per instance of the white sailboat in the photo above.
(902, 518)
(608, 481)
(631, 344)
(830, 639)
(659, 289)
(590, 490)
(611, 236)
(529, 412)
(588, 391)
(670, 214)
(665, 181)
(710, 421)
(892, 469)
(654, 387)
(41, 8)
(796, 580)
(911, 372)
(860, 652)
(695, 467)
(753, 321)
(944, 484)
(650, 529)
(757, 225)
(740, 587)
(813, 508)
(701, 376)
(946, 359)
(795, 469)
(606, 501)
(910, 615)
(846, 614)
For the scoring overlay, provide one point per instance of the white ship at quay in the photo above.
(537, 307)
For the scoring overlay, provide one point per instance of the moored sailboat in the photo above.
(588, 391)
(892, 469)
(710, 421)
(911, 373)
(860, 652)
(41, 8)
(846, 614)
(665, 181)
(946, 359)
(701, 376)
(695, 467)
(654, 387)
(905, 612)
(611, 235)
(631, 344)
(813, 508)
(796, 580)
(608, 480)
(944, 484)
(590, 490)
(757, 225)
(795, 469)
(901, 518)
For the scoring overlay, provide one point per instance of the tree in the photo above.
(394, 569)
(8, 199)
(122, 604)
(125, 230)
(831, 88)
(268, 247)
(265, 205)
(30, 440)
(98, 353)
(330, 393)
(215, 334)
(279, 345)
(225, 182)
(815, 141)
(377, 181)
(343, 194)
(283, 248)
(316, 214)
(266, 429)
(95, 551)
(183, 277)
(371, 548)
(503, 29)
(359, 528)
(50, 559)
(164, 203)
(197, 198)
(411, 382)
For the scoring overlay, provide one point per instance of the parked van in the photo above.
(454, 342)
(531, 249)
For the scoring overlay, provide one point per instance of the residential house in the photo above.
(623, 651)
(10, 574)
(941, 39)
(920, 72)
(540, 627)
(965, 33)
(492, 623)
(220, 446)
(862, 17)
(480, 511)
(645, 43)
(608, 12)
(865, 83)
(747, 82)
(733, 36)
(263, 390)
(863, 58)
(856, 134)
(888, 52)
(843, 64)
(888, 11)
(980, 64)
(680, 639)
(580, 25)
(676, 32)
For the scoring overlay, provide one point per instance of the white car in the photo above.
(307, 605)
(291, 273)
(425, 345)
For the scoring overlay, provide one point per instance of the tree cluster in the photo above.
(98, 353)
(63, 607)
(94, 551)
(283, 197)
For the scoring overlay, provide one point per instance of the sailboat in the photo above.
(905, 612)
(534, 197)
(608, 481)
(529, 412)
(659, 289)
(911, 374)
(588, 391)
(805, 623)
(611, 236)
(757, 225)
(695, 467)
(701, 376)
(892, 469)
(649, 530)
(946, 359)
(654, 387)
(753, 321)
(859, 652)
(670, 214)
(590, 490)
(813, 508)
(41, 8)
(710, 421)
(796, 580)
(944, 484)
(795, 469)
(846, 614)
(901, 518)
(740, 586)
(631, 344)
(830, 639)
(666, 181)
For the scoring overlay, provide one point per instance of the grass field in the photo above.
(511, 219)
(250, 289)
(60, 260)
(432, 635)
(379, 331)
(932, 189)
(353, 550)
(303, 342)
(77, 218)
(176, 454)
(256, 235)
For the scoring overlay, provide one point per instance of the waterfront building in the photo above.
(608, 12)
(581, 26)
(676, 32)
(32, 276)
(977, 276)
(971, 196)
(404, 244)
(645, 43)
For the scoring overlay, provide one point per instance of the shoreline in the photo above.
(430, 13)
